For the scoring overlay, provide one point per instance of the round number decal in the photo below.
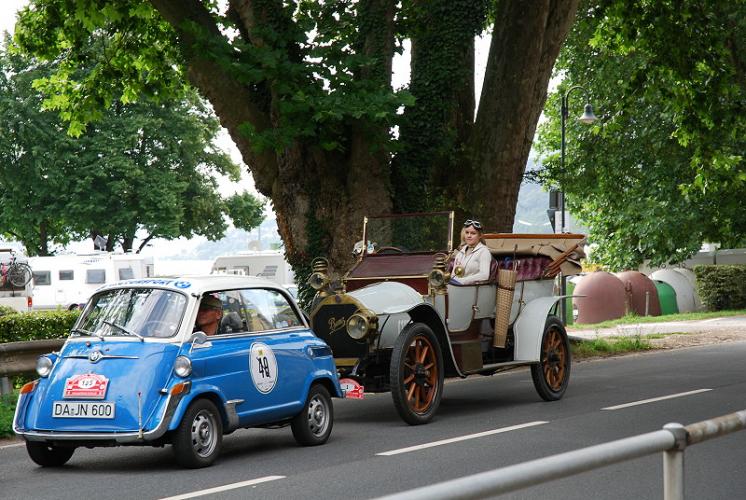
(263, 367)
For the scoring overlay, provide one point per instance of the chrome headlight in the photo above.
(44, 366)
(318, 280)
(437, 278)
(183, 366)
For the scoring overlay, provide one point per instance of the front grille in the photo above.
(330, 324)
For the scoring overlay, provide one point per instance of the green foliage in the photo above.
(7, 410)
(6, 310)
(721, 287)
(663, 170)
(142, 167)
(37, 325)
(609, 347)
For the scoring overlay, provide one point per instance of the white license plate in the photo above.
(66, 409)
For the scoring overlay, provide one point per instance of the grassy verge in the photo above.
(632, 319)
(7, 408)
(610, 346)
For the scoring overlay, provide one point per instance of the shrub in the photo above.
(36, 325)
(7, 408)
(721, 287)
(5, 310)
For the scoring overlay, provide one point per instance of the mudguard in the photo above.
(528, 328)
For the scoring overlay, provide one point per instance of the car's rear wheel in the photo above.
(552, 374)
(199, 437)
(416, 374)
(313, 425)
(47, 455)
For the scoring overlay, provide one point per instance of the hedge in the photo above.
(721, 287)
(5, 310)
(36, 325)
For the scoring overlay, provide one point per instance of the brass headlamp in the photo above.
(438, 277)
(320, 277)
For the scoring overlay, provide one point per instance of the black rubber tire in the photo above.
(410, 382)
(313, 425)
(19, 275)
(47, 455)
(551, 375)
(199, 437)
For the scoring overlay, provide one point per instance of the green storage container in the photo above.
(667, 298)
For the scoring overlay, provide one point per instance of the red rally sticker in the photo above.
(352, 388)
(88, 386)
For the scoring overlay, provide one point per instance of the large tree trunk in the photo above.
(525, 43)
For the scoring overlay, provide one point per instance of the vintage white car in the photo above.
(394, 322)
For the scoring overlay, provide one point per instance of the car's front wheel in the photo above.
(313, 425)
(416, 374)
(197, 440)
(47, 455)
(552, 374)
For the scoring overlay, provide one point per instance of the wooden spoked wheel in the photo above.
(552, 374)
(416, 374)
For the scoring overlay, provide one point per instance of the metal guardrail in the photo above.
(672, 440)
(17, 358)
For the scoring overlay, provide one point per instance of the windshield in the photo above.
(138, 312)
(409, 233)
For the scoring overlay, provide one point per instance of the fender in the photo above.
(425, 313)
(529, 327)
(327, 379)
(198, 390)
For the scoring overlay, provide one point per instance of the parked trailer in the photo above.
(66, 281)
(270, 265)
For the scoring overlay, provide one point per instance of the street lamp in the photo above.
(587, 118)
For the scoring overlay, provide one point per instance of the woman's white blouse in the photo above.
(476, 263)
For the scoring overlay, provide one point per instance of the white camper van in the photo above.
(19, 298)
(269, 264)
(66, 281)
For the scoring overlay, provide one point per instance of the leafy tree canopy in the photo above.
(663, 170)
(140, 168)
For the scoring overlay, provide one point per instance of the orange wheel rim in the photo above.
(420, 375)
(554, 359)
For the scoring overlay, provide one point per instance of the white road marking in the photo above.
(226, 487)
(11, 446)
(461, 438)
(653, 400)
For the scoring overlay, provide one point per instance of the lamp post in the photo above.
(587, 118)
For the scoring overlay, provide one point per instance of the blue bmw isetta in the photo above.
(137, 371)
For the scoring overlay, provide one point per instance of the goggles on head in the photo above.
(473, 222)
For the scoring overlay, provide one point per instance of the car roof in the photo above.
(197, 284)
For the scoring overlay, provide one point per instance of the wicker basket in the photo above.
(506, 279)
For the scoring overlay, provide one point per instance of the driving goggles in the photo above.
(473, 222)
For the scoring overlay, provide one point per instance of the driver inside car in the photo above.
(473, 258)
(209, 314)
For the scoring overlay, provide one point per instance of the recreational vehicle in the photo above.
(268, 264)
(66, 281)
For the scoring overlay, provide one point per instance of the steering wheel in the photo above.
(385, 250)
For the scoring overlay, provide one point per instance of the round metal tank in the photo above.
(692, 279)
(685, 295)
(603, 298)
(642, 296)
(667, 297)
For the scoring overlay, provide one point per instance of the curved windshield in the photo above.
(137, 312)
(408, 233)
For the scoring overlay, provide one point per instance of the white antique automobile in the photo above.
(395, 323)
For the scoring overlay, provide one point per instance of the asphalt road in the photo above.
(365, 456)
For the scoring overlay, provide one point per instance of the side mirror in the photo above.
(198, 339)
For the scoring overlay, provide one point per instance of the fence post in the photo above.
(673, 464)
(5, 386)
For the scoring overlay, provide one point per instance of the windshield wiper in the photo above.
(81, 331)
(124, 329)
